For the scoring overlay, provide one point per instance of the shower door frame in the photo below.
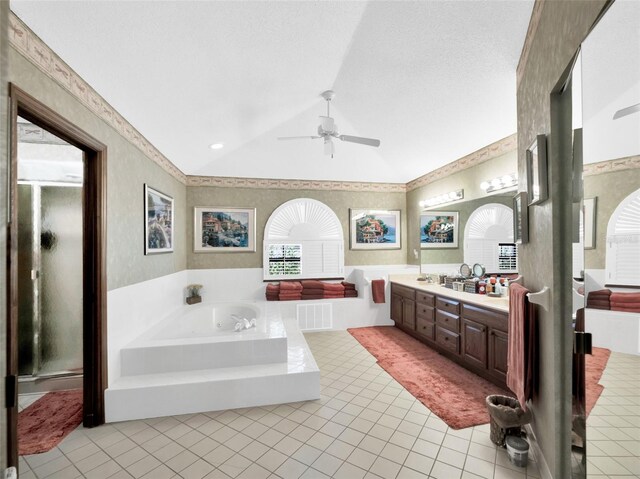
(94, 325)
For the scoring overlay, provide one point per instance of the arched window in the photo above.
(488, 239)
(623, 243)
(303, 239)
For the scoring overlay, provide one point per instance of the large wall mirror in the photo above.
(606, 272)
(485, 236)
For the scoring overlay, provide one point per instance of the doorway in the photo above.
(56, 272)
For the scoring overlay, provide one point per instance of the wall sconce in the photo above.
(440, 199)
(501, 183)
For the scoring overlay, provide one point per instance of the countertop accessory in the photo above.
(465, 270)
(494, 295)
(478, 270)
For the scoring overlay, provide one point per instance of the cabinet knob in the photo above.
(446, 338)
(482, 330)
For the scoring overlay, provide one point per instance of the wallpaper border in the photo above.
(500, 147)
(536, 14)
(619, 164)
(29, 45)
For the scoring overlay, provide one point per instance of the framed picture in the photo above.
(590, 223)
(537, 171)
(439, 229)
(520, 218)
(158, 225)
(224, 230)
(374, 229)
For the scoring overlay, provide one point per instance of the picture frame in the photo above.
(537, 183)
(520, 218)
(222, 229)
(374, 229)
(159, 221)
(439, 229)
(589, 209)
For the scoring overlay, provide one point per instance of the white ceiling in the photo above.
(433, 80)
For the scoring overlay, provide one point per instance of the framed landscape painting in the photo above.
(158, 225)
(224, 230)
(439, 229)
(374, 229)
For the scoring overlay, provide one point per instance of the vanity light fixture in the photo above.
(441, 199)
(502, 183)
(216, 146)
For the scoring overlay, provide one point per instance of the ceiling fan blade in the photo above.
(328, 146)
(298, 137)
(626, 111)
(362, 141)
(327, 124)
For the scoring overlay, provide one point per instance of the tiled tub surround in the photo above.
(197, 337)
(134, 309)
(213, 388)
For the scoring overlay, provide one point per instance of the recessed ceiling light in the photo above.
(216, 146)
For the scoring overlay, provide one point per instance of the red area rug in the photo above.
(594, 367)
(47, 421)
(455, 395)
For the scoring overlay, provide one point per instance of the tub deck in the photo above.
(142, 396)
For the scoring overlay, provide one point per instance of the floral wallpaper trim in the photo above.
(27, 43)
(536, 14)
(500, 147)
(268, 183)
(628, 163)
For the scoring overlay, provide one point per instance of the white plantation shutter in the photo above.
(623, 243)
(487, 228)
(311, 228)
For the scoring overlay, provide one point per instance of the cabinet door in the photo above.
(474, 343)
(498, 343)
(396, 308)
(409, 314)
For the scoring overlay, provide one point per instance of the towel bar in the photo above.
(541, 298)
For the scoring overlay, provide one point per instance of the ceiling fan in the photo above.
(328, 130)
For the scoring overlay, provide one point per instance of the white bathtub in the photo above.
(202, 337)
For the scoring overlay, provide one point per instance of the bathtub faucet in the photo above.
(243, 323)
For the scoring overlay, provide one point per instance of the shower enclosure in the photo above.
(50, 259)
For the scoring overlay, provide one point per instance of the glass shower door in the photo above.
(50, 255)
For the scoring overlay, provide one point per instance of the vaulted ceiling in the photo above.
(433, 80)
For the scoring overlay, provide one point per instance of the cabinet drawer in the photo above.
(403, 291)
(425, 328)
(425, 312)
(425, 298)
(492, 319)
(448, 305)
(448, 340)
(448, 321)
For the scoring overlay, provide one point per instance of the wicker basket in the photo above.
(506, 418)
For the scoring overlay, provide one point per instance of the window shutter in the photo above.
(623, 243)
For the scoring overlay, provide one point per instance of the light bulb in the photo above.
(484, 185)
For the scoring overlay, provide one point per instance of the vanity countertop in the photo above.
(411, 281)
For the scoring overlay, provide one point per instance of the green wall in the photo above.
(546, 259)
(267, 200)
(469, 180)
(609, 189)
(128, 169)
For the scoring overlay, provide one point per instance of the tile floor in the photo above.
(613, 427)
(364, 426)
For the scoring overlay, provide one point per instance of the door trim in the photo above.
(94, 258)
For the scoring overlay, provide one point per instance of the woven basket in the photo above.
(506, 418)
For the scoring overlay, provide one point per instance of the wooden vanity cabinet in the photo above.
(403, 306)
(425, 315)
(473, 336)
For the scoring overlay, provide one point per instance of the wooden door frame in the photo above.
(94, 261)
